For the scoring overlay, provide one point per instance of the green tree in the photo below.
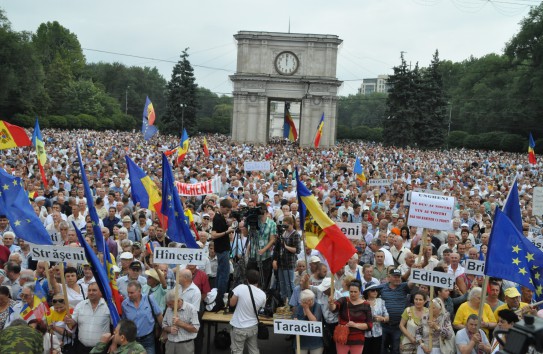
(402, 111)
(181, 90)
(432, 126)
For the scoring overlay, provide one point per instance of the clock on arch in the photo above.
(286, 63)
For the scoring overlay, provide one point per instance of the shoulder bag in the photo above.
(341, 332)
(263, 332)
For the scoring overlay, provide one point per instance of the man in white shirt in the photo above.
(244, 321)
(398, 251)
(455, 267)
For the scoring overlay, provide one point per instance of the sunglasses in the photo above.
(136, 269)
(58, 301)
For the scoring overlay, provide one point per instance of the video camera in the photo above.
(525, 337)
(250, 215)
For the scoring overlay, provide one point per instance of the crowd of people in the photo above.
(255, 255)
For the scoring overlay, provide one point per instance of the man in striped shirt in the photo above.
(182, 328)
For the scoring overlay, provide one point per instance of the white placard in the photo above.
(537, 208)
(303, 328)
(58, 254)
(353, 230)
(538, 242)
(426, 277)
(168, 255)
(430, 211)
(380, 182)
(535, 230)
(474, 267)
(407, 195)
(256, 166)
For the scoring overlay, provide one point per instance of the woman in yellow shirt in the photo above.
(55, 319)
(472, 307)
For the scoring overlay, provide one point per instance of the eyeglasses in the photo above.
(136, 269)
(58, 301)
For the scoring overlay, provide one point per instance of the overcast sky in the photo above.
(374, 32)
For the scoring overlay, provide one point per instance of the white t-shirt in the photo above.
(244, 315)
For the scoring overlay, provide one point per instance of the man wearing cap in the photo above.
(314, 267)
(394, 293)
(134, 234)
(513, 303)
(156, 286)
(134, 274)
(87, 279)
(126, 258)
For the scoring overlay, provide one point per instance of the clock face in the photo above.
(286, 63)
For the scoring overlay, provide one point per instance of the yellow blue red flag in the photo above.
(318, 135)
(289, 128)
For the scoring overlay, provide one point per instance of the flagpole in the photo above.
(482, 304)
(422, 245)
(64, 287)
(176, 290)
(431, 307)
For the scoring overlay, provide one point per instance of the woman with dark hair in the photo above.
(414, 326)
(355, 313)
(51, 344)
(380, 315)
(404, 233)
(75, 291)
(5, 304)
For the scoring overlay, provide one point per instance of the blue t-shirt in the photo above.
(395, 302)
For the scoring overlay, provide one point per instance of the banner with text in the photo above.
(380, 182)
(302, 328)
(256, 166)
(353, 230)
(58, 254)
(407, 195)
(201, 188)
(431, 211)
(426, 277)
(538, 242)
(167, 255)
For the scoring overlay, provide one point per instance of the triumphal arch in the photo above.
(286, 68)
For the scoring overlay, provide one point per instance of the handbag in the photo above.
(341, 332)
(263, 332)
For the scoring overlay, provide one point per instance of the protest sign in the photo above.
(538, 242)
(303, 328)
(431, 211)
(196, 189)
(474, 267)
(353, 230)
(407, 195)
(256, 166)
(426, 277)
(58, 254)
(535, 230)
(168, 255)
(537, 201)
(380, 182)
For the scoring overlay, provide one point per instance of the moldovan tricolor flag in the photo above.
(37, 141)
(318, 135)
(321, 233)
(12, 136)
(531, 153)
(206, 147)
(359, 172)
(183, 148)
(289, 128)
(145, 191)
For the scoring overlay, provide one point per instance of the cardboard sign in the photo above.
(431, 211)
(380, 182)
(407, 195)
(474, 267)
(303, 328)
(535, 230)
(426, 277)
(58, 254)
(353, 230)
(537, 201)
(256, 166)
(168, 255)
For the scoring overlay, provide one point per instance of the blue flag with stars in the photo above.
(511, 207)
(178, 225)
(15, 205)
(513, 257)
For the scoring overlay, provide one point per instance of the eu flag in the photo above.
(511, 207)
(513, 257)
(22, 218)
(100, 276)
(178, 225)
(101, 244)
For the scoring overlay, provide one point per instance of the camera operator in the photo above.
(220, 235)
(261, 244)
(284, 256)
